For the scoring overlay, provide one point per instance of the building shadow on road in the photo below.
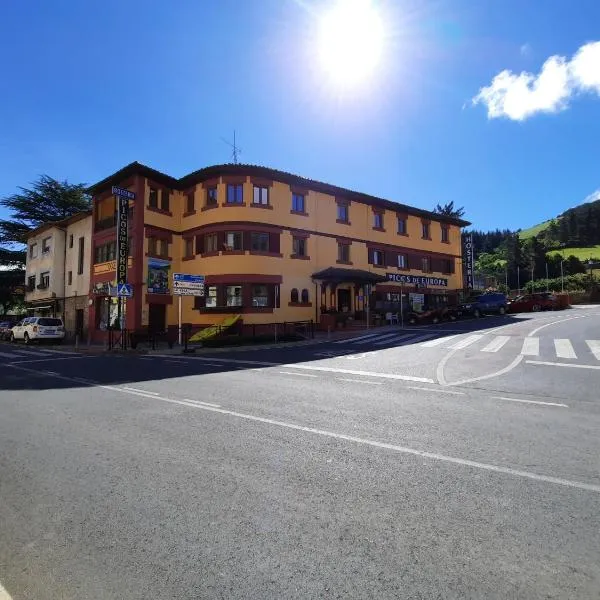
(105, 369)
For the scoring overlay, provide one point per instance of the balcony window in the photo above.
(211, 243)
(153, 198)
(233, 240)
(377, 220)
(402, 229)
(260, 295)
(189, 247)
(81, 254)
(426, 265)
(342, 213)
(46, 245)
(235, 193)
(165, 200)
(299, 246)
(259, 242)
(261, 195)
(233, 295)
(344, 253)
(211, 297)
(211, 196)
(426, 231)
(71, 241)
(402, 261)
(304, 296)
(44, 280)
(70, 278)
(190, 206)
(33, 251)
(298, 203)
(445, 235)
(378, 258)
(31, 283)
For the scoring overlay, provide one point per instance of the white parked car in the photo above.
(37, 329)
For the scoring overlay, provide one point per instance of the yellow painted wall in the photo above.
(322, 214)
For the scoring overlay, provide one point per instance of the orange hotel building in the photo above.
(272, 246)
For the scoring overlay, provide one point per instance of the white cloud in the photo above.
(518, 97)
(593, 197)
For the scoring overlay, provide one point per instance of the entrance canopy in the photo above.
(334, 275)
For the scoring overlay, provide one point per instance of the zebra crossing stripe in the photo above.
(531, 346)
(564, 349)
(594, 346)
(466, 342)
(422, 338)
(382, 337)
(438, 341)
(352, 340)
(394, 339)
(497, 343)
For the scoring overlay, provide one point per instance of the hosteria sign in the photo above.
(414, 280)
(469, 258)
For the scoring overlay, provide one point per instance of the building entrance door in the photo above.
(343, 298)
(157, 317)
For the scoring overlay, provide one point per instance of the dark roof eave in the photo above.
(266, 172)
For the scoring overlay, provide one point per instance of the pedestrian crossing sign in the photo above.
(124, 290)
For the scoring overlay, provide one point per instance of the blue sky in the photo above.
(88, 87)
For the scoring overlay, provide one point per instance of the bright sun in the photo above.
(351, 37)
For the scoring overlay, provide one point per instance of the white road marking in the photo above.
(138, 390)
(360, 381)
(56, 351)
(352, 340)
(466, 341)
(7, 355)
(28, 352)
(530, 401)
(380, 338)
(556, 364)
(296, 374)
(590, 487)
(438, 341)
(443, 391)
(496, 344)
(204, 403)
(594, 346)
(418, 339)
(4, 595)
(36, 360)
(394, 338)
(531, 346)
(564, 349)
(360, 373)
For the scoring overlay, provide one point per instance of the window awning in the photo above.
(338, 275)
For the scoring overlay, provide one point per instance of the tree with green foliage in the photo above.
(449, 210)
(47, 200)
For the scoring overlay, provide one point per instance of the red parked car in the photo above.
(533, 303)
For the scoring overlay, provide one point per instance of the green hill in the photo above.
(535, 230)
(583, 254)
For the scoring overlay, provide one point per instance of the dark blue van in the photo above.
(486, 303)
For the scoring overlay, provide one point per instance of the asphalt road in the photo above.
(458, 461)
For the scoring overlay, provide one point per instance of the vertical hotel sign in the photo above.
(123, 197)
(468, 254)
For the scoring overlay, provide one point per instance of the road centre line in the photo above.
(557, 364)
(202, 402)
(359, 373)
(363, 441)
(443, 391)
(297, 374)
(530, 401)
(36, 360)
(360, 381)
(138, 390)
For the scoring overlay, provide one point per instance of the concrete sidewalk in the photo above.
(321, 337)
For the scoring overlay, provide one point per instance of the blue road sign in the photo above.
(124, 290)
(185, 284)
(117, 191)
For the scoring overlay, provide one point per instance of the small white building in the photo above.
(57, 275)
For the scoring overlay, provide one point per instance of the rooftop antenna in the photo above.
(236, 150)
